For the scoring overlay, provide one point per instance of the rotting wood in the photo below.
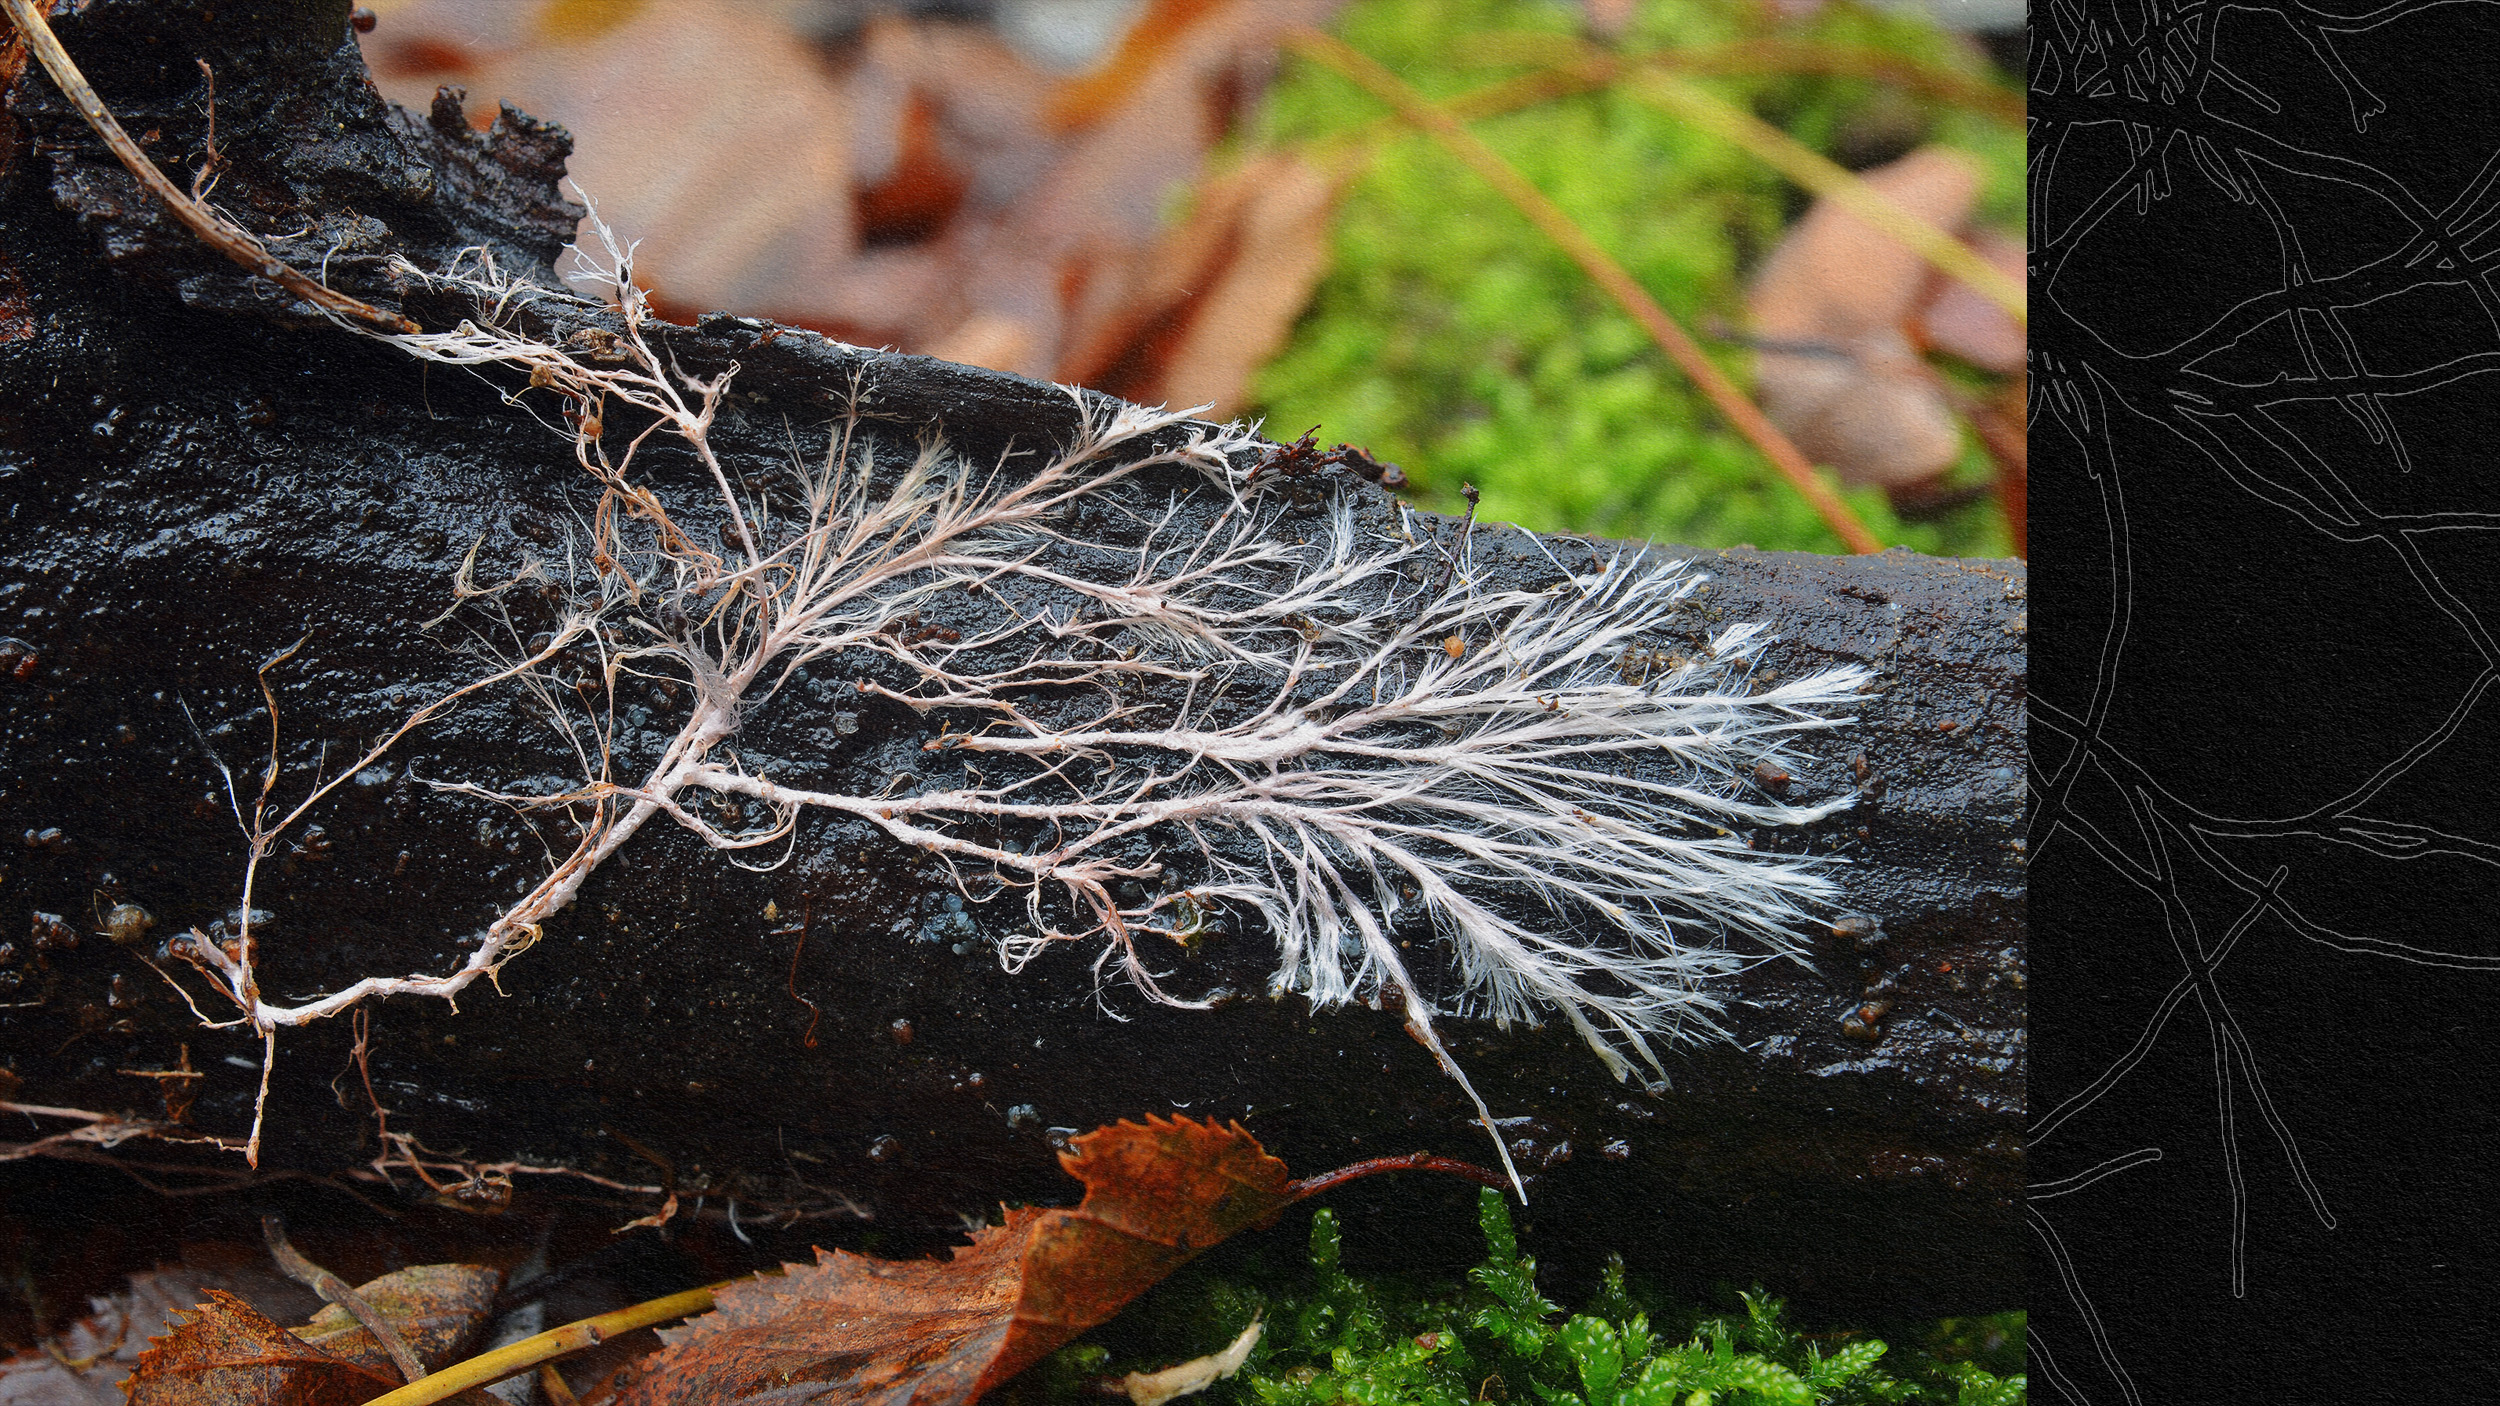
(199, 473)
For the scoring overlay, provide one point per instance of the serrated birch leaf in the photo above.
(227, 1354)
(939, 1333)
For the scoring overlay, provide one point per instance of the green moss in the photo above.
(1333, 1339)
(1451, 337)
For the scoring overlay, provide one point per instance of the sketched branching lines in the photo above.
(2044, 1360)
(2338, 278)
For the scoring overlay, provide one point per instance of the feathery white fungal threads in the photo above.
(1345, 733)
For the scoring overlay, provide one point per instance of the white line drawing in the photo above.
(2144, 120)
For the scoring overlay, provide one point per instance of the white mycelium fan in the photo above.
(1345, 733)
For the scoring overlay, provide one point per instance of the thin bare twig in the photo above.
(220, 233)
(2001, 423)
(815, 1013)
(1732, 403)
(336, 1290)
(1411, 1162)
(204, 180)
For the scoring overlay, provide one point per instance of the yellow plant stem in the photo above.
(1573, 66)
(1820, 175)
(1740, 412)
(1805, 58)
(520, 1357)
(1567, 69)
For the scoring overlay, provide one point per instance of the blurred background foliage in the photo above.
(1449, 337)
(1172, 200)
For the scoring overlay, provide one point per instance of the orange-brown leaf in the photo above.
(928, 187)
(940, 1333)
(861, 1329)
(1157, 1194)
(227, 1354)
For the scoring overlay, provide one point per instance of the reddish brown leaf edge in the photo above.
(562, 1342)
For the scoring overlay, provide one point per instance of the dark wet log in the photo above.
(198, 475)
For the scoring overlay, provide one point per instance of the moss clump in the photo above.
(1451, 337)
(1337, 1340)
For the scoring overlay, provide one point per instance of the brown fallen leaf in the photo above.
(710, 133)
(918, 185)
(1088, 229)
(939, 1333)
(1838, 368)
(227, 1354)
(439, 1309)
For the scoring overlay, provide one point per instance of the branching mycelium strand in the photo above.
(1365, 742)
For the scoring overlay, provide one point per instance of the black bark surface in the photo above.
(196, 475)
